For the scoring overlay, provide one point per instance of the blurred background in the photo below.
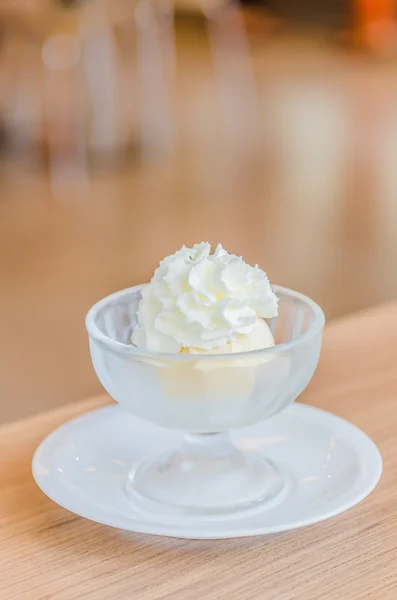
(131, 127)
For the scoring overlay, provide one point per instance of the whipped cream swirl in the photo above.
(201, 300)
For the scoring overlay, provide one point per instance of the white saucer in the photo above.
(83, 465)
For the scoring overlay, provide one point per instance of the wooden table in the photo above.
(48, 553)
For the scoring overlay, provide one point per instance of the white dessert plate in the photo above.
(333, 465)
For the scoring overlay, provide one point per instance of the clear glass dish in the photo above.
(205, 396)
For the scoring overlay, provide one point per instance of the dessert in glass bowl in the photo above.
(207, 346)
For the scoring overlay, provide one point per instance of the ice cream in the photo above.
(203, 303)
(261, 337)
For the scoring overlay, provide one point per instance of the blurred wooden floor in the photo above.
(317, 210)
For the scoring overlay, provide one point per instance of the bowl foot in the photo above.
(206, 477)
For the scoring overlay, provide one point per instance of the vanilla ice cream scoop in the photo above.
(203, 303)
(261, 337)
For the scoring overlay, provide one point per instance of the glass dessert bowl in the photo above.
(205, 396)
